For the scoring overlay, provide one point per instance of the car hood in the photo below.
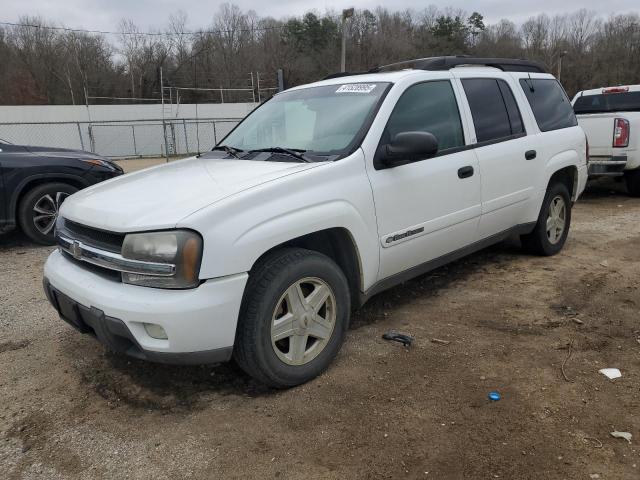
(160, 197)
(61, 152)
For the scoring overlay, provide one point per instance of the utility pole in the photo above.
(562, 55)
(346, 13)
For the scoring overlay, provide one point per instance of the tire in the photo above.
(632, 179)
(38, 210)
(549, 242)
(272, 305)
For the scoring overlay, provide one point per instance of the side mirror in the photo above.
(408, 147)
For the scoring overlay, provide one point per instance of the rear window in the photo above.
(608, 102)
(549, 103)
(493, 108)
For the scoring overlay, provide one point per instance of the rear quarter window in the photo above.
(550, 104)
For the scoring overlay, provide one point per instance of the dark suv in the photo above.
(34, 181)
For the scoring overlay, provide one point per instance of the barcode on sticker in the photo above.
(356, 88)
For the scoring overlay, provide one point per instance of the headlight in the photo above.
(98, 163)
(182, 248)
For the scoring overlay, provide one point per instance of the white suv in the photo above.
(322, 197)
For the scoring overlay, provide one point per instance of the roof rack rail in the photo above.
(448, 62)
(343, 74)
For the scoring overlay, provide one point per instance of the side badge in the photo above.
(400, 236)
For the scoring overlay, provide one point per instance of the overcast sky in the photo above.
(147, 14)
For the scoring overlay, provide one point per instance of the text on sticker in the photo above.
(356, 88)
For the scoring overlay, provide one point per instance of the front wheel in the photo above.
(38, 210)
(293, 319)
(551, 230)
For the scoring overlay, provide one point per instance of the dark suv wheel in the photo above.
(293, 319)
(551, 230)
(38, 210)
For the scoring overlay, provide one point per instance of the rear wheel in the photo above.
(293, 319)
(38, 210)
(551, 230)
(632, 177)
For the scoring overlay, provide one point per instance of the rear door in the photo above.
(509, 162)
(428, 208)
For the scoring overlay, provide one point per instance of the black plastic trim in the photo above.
(426, 267)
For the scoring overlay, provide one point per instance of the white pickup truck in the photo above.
(322, 197)
(610, 117)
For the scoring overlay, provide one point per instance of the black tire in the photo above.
(265, 290)
(30, 224)
(632, 179)
(538, 241)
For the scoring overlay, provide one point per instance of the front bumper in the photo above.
(200, 323)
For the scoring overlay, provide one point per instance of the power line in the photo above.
(150, 34)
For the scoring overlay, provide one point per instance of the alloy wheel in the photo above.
(303, 321)
(557, 219)
(45, 211)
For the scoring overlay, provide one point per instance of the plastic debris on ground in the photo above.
(494, 396)
(611, 373)
(395, 336)
(625, 435)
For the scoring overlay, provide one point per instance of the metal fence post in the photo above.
(92, 140)
(215, 139)
(80, 135)
(186, 139)
(135, 147)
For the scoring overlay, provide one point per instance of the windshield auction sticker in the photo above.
(356, 88)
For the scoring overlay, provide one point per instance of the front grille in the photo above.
(92, 236)
(103, 272)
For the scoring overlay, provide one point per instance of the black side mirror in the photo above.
(408, 147)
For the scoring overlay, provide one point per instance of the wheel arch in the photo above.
(569, 176)
(336, 243)
(33, 181)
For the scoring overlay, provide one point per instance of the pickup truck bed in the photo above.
(610, 118)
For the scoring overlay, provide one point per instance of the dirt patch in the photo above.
(72, 410)
(11, 346)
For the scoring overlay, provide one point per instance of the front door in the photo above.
(428, 208)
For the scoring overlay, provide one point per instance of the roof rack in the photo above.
(343, 74)
(448, 62)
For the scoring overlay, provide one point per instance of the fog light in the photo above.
(155, 331)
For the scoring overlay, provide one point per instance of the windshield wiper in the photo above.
(293, 152)
(229, 150)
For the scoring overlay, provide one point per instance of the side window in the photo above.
(549, 103)
(494, 110)
(428, 107)
(512, 108)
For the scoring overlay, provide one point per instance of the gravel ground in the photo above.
(70, 409)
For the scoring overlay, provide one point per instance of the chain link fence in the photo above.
(124, 139)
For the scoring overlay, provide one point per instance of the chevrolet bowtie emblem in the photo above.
(76, 250)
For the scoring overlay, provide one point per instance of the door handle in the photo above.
(530, 154)
(465, 172)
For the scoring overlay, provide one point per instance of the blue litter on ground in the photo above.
(494, 396)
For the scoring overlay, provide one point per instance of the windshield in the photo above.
(608, 102)
(320, 120)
